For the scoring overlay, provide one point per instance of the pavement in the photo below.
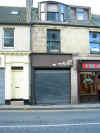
(50, 107)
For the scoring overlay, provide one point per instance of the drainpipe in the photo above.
(29, 4)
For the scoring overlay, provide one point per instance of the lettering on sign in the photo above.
(91, 66)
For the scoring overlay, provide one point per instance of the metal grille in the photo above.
(52, 86)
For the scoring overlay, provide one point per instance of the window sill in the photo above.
(8, 47)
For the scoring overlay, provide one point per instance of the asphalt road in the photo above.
(79, 121)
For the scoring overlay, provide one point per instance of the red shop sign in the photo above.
(91, 66)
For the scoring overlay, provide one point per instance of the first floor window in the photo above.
(94, 38)
(53, 40)
(8, 37)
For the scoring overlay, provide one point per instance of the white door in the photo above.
(17, 84)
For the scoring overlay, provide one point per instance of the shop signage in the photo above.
(91, 66)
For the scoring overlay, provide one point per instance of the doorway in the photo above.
(17, 82)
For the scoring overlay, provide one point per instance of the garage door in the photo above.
(2, 86)
(52, 86)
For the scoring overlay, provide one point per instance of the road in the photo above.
(74, 121)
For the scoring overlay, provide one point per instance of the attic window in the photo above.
(14, 12)
(79, 13)
(50, 11)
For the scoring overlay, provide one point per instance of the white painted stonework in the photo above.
(2, 63)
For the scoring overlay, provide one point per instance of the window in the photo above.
(82, 14)
(50, 11)
(94, 38)
(88, 83)
(8, 37)
(79, 13)
(42, 10)
(62, 10)
(53, 41)
(73, 13)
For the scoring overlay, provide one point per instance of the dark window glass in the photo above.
(8, 37)
(53, 40)
(52, 16)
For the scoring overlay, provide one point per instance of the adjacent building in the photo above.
(14, 55)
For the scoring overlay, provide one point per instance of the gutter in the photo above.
(63, 24)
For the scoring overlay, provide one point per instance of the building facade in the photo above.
(66, 46)
(49, 54)
(14, 55)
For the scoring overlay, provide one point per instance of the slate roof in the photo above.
(7, 18)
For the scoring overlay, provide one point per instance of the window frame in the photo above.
(10, 47)
(50, 50)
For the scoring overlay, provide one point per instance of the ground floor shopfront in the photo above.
(51, 79)
(89, 81)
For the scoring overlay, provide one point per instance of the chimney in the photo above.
(29, 4)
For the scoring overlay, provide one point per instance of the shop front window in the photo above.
(88, 83)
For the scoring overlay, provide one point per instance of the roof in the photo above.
(17, 15)
(14, 15)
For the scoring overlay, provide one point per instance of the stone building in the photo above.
(65, 52)
(49, 54)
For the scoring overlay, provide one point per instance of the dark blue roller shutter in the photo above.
(2, 86)
(52, 86)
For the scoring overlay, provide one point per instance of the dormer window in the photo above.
(52, 11)
(57, 12)
(82, 14)
(79, 13)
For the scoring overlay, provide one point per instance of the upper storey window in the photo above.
(8, 37)
(94, 38)
(52, 12)
(79, 13)
(82, 14)
(58, 12)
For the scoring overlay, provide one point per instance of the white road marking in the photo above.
(52, 125)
